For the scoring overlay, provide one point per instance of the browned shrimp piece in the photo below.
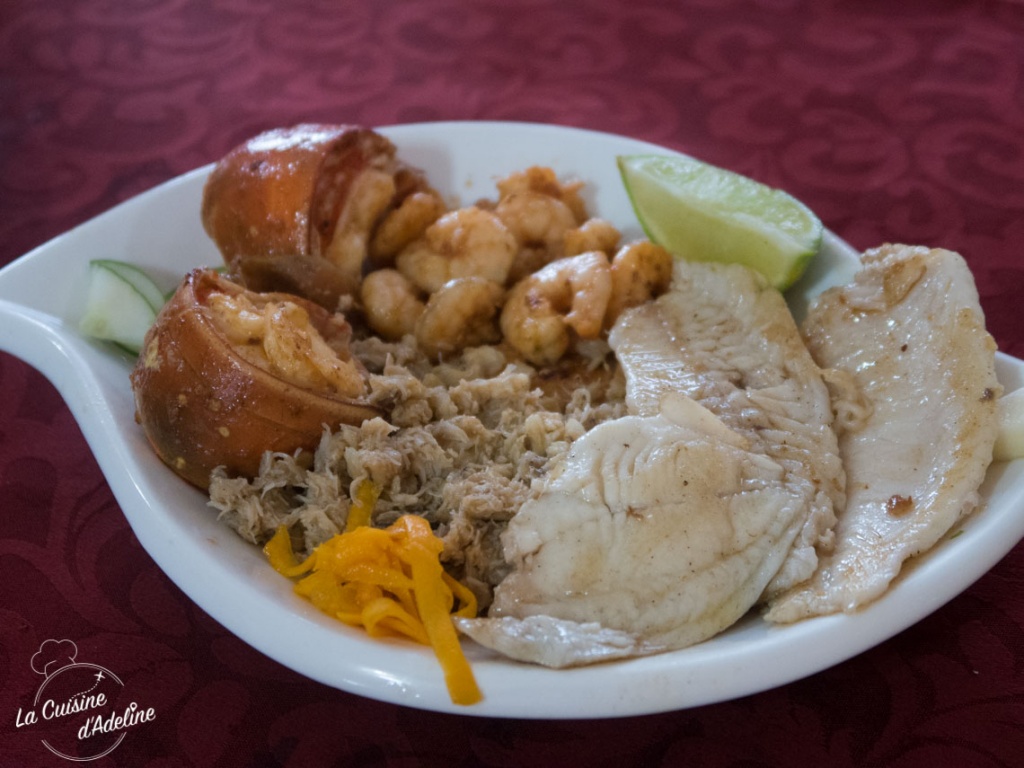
(468, 242)
(539, 223)
(403, 225)
(567, 296)
(391, 303)
(461, 314)
(592, 235)
(545, 181)
(640, 272)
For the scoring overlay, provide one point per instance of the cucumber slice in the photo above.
(121, 304)
(139, 280)
(1010, 442)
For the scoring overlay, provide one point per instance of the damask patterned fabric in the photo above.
(895, 121)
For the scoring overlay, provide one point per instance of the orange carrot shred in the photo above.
(390, 582)
(363, 502)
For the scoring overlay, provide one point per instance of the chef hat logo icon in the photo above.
(53, 655)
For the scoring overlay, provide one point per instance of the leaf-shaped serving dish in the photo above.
(41, 299)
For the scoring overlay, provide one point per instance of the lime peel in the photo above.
(704, 213)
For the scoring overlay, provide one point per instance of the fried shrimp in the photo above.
(592, 235)
(539, 223)
(567, 296)
(640, 272)
(403, 225)
(391, 302)
(468, 242)
(461, 314)
(545, 181)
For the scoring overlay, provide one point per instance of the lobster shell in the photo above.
(203, 405)
(272, 205)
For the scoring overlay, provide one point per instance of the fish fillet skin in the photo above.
(910, 332)
(656, 532)
(725, 338)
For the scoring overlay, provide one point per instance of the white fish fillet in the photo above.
(656, 532)
(911, 333)
(664, 527)
(725, 339)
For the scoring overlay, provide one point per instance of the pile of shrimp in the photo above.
(530, 269)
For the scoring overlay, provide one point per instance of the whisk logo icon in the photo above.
(80, 710)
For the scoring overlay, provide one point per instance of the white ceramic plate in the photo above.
(41, 298)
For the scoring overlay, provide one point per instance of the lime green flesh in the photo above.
(703, 213)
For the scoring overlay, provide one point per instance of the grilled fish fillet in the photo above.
(662, 528)
(724, 338)
(656, 532)
(910, 333)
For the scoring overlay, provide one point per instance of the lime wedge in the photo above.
(704, 213)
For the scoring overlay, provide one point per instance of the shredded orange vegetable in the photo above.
(362, 505)
(390, 582)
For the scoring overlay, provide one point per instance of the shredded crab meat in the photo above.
(464, 442)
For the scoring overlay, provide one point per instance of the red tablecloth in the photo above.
(895, 121)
